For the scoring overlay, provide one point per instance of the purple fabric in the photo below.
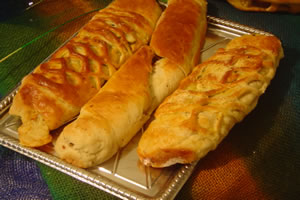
(20, 178)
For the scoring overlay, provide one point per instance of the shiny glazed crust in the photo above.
(57, 89)
(176, 42)
(218, 94)
(115, 114)
(111, 118)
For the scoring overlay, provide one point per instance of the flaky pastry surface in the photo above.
(218, 94)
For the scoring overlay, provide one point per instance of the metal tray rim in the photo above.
(104, 183)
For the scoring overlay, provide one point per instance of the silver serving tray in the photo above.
(123, 175)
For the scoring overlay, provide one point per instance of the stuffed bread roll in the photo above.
(218, 94)
(116, 113)
(57, 89)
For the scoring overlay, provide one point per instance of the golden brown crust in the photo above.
(112, 117)
(147, 8)
(176, 42)
(54, 93)
(292, 6)
(115, 114)
(218, 93)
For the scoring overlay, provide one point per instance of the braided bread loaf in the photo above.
(57, 89)
(218, 93)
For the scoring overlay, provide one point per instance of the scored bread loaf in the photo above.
(218, 93)
(111, 117)
(116, 113)
(56, 90)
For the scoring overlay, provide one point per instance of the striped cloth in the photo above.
(260, 158)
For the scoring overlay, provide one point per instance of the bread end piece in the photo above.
(112, 117)
(34, 133)
(40, 112)
(163, 145)
(83, 146)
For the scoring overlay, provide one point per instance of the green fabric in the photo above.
(65, 187)
(43, 29)
(260, 158)
(268, 140)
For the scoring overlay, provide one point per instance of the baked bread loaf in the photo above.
(218, 93)
(177, 41)
(116, 113)
(56, 90)
(292, 6)
(109, 120)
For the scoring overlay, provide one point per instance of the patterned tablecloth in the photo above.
(260, 159)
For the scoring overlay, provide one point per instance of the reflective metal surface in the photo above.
(123, 175)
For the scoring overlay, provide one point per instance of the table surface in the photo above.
(260, 158)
